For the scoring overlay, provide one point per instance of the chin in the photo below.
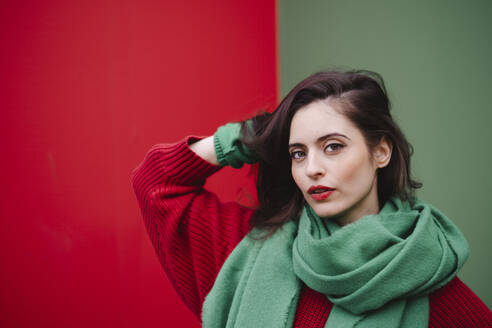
(326, 210)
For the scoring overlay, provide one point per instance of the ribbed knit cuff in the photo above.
(219, 152)
(228, 147)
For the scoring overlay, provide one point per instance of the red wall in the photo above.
(86, 88)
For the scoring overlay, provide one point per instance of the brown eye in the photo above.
(298, 154)
(334, 147)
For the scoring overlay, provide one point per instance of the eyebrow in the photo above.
(321, 139)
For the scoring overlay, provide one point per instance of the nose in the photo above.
(314, 166)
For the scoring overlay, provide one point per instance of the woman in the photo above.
(338, 239)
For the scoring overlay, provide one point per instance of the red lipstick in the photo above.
(320, 192)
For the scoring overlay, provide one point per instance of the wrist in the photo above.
(205, 149)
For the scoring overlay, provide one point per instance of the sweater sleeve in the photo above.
(457, 306)
(191, 230)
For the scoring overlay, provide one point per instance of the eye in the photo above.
(297, 154)
(333, 147)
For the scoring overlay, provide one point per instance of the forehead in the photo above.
(319, 118)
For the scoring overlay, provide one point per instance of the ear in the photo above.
(382, 152)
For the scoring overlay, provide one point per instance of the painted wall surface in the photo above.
(86, 89)
(435, 59)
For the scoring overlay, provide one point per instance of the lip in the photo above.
(320, 196)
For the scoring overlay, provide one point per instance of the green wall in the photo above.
(435, 57)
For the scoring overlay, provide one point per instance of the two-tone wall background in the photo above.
(87, 87)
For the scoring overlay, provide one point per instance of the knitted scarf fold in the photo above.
(377, 271)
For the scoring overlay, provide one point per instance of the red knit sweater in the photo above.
(193, 233)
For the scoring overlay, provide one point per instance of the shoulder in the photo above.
(456, 305)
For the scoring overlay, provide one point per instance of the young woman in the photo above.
(338, 239)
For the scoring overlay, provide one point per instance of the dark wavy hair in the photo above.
(362, 98)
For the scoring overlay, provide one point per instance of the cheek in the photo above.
(354, 172)
(295, 175)
(299, 177)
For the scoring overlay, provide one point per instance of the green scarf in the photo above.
(377, 271)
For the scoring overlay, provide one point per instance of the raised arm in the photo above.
(191, 230)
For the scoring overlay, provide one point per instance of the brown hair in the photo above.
(364, 101)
